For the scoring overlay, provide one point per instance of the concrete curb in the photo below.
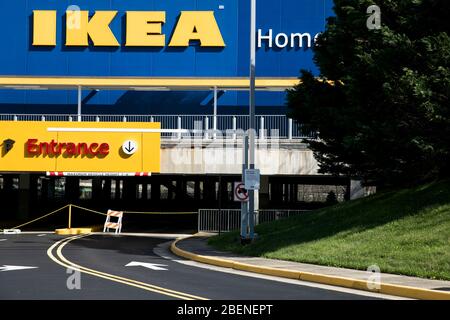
(390, 289)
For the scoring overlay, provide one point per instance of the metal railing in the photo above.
(266, 125)
(213, 220)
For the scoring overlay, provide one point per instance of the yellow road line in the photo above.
(145, 286)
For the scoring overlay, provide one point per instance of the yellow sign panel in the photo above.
(80, 147)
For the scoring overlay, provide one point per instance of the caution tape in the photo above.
(89, 210)
(37, 219)
(161, 213)
(100, 213)
(133, 212)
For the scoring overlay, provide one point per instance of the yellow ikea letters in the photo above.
(78, 27)
(44, 28)
(143, 29)
(197, 25)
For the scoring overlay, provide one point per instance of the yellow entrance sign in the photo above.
(80, 147)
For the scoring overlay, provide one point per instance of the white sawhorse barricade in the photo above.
(113, 225)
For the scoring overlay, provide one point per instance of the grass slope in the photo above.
(404, 232)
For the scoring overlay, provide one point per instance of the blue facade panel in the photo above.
(19, 57)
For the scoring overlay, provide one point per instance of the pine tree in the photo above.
(381, 101)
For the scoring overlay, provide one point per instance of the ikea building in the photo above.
(142, 104)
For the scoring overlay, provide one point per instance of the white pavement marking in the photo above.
(41, 235)
(15, 268)
(37, 232)
(151, 235)
(153, 266)
(163, 250)
(3, 240)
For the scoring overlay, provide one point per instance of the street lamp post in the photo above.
(252, 123)
(252, 113)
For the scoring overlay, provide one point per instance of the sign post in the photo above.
(244, 205)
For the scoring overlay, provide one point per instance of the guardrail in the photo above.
(215, 220)
(278, 126)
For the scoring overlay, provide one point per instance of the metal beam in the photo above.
(79, 103)
(154, 84)
(215, 113)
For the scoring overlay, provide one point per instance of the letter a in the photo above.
(374, 21)
(197, 25)
(74, 281)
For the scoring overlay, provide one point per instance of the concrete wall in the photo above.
(293, 159)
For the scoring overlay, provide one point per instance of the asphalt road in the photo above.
(103, 259)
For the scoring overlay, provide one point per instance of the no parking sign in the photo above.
(240, 193)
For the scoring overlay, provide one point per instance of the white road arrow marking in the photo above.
(15, 268)
(152, 266)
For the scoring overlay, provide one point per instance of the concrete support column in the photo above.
(264, 193)
(356, 189)
(117, 191)
(223, 192)
(292, 192)
(129, 189)
(179, 190)
(51, 189)
(208, 190)
(295, 195)
(197, 190)
(156, 189)
(144, 190)
(275, 198)
(7, 183)
(24, 196)
(72, 192)
(348, 192)
(44, 190)
(97, 193)
(106, 192)
(170, 190)
(33, 188)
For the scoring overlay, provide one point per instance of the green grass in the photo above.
(403, 232)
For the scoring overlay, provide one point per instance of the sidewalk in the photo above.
(196, 248)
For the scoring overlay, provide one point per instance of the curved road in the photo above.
(103, 261)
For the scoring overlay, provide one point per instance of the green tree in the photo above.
(381, 101)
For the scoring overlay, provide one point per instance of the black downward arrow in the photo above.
(129, 148)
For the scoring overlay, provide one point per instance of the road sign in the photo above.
(129, 147)
(240, 192)
(152, 266)
(14, 268)
(81, 146)
(252, 179)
